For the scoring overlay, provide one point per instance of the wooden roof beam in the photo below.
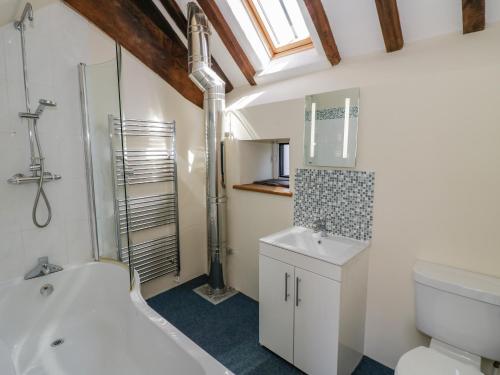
(473, 15)
(159, 49)
(322, 25)
(390, 24)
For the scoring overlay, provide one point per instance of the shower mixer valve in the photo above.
(37, 165)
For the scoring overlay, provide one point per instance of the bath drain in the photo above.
(57, 342)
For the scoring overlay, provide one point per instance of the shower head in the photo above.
(42, 104)
(27, 12)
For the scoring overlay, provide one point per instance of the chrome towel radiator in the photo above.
(147, 212)
(146, 199)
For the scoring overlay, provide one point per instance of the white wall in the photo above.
(254, 215)
(58, 41)
(428, 127)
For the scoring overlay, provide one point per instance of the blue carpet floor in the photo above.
(229, 331)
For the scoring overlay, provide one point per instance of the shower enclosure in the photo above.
(132, 178)
(38, 174)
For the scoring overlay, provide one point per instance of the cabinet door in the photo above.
(276, 306)
(316, 333)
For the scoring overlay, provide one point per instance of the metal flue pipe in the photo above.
(213, 87)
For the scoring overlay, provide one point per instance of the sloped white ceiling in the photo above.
(356, 27)
(354, 23)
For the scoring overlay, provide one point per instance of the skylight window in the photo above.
(280, 24)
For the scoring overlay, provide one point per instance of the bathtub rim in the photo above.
(208, 364)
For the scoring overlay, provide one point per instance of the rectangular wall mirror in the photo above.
(331, 127)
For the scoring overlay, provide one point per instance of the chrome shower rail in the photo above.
(37, 165)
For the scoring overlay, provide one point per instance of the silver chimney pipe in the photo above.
(213, 87)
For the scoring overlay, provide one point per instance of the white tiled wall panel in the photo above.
(52, 57)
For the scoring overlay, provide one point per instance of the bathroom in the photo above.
(218, 205)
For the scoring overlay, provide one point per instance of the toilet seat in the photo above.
(427, 361)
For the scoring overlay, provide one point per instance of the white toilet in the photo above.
(460, 310)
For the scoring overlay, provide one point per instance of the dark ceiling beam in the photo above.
(322, 25)
(180, 20)
(175, 11)
(390, 24)
(473, 15)
(217, 20)
(156, 47)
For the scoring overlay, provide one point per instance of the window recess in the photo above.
(284, 160)
(280, 160)
(266, 165)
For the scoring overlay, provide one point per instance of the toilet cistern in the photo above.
(460, 311)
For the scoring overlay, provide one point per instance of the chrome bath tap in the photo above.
(42, 268)
(319, 226)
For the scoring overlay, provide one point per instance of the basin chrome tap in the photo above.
(319, 226)
(42, 268)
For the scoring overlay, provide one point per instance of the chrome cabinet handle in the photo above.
(297, 299)
(286, 286)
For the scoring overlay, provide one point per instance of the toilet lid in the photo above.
(426, 361)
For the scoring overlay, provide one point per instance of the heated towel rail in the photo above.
(146, 199)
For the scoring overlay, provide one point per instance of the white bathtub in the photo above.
(106, 328)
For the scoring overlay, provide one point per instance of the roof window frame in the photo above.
(272, 50)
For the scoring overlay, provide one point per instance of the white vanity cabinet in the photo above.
(312, 311)
(316, 329)
(276, 306)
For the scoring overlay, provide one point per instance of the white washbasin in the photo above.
(333, 249)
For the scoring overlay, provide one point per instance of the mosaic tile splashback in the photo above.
(333, 113)
(343, 198)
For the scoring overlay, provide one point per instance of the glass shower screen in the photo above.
(100, 102)
(132, 178)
